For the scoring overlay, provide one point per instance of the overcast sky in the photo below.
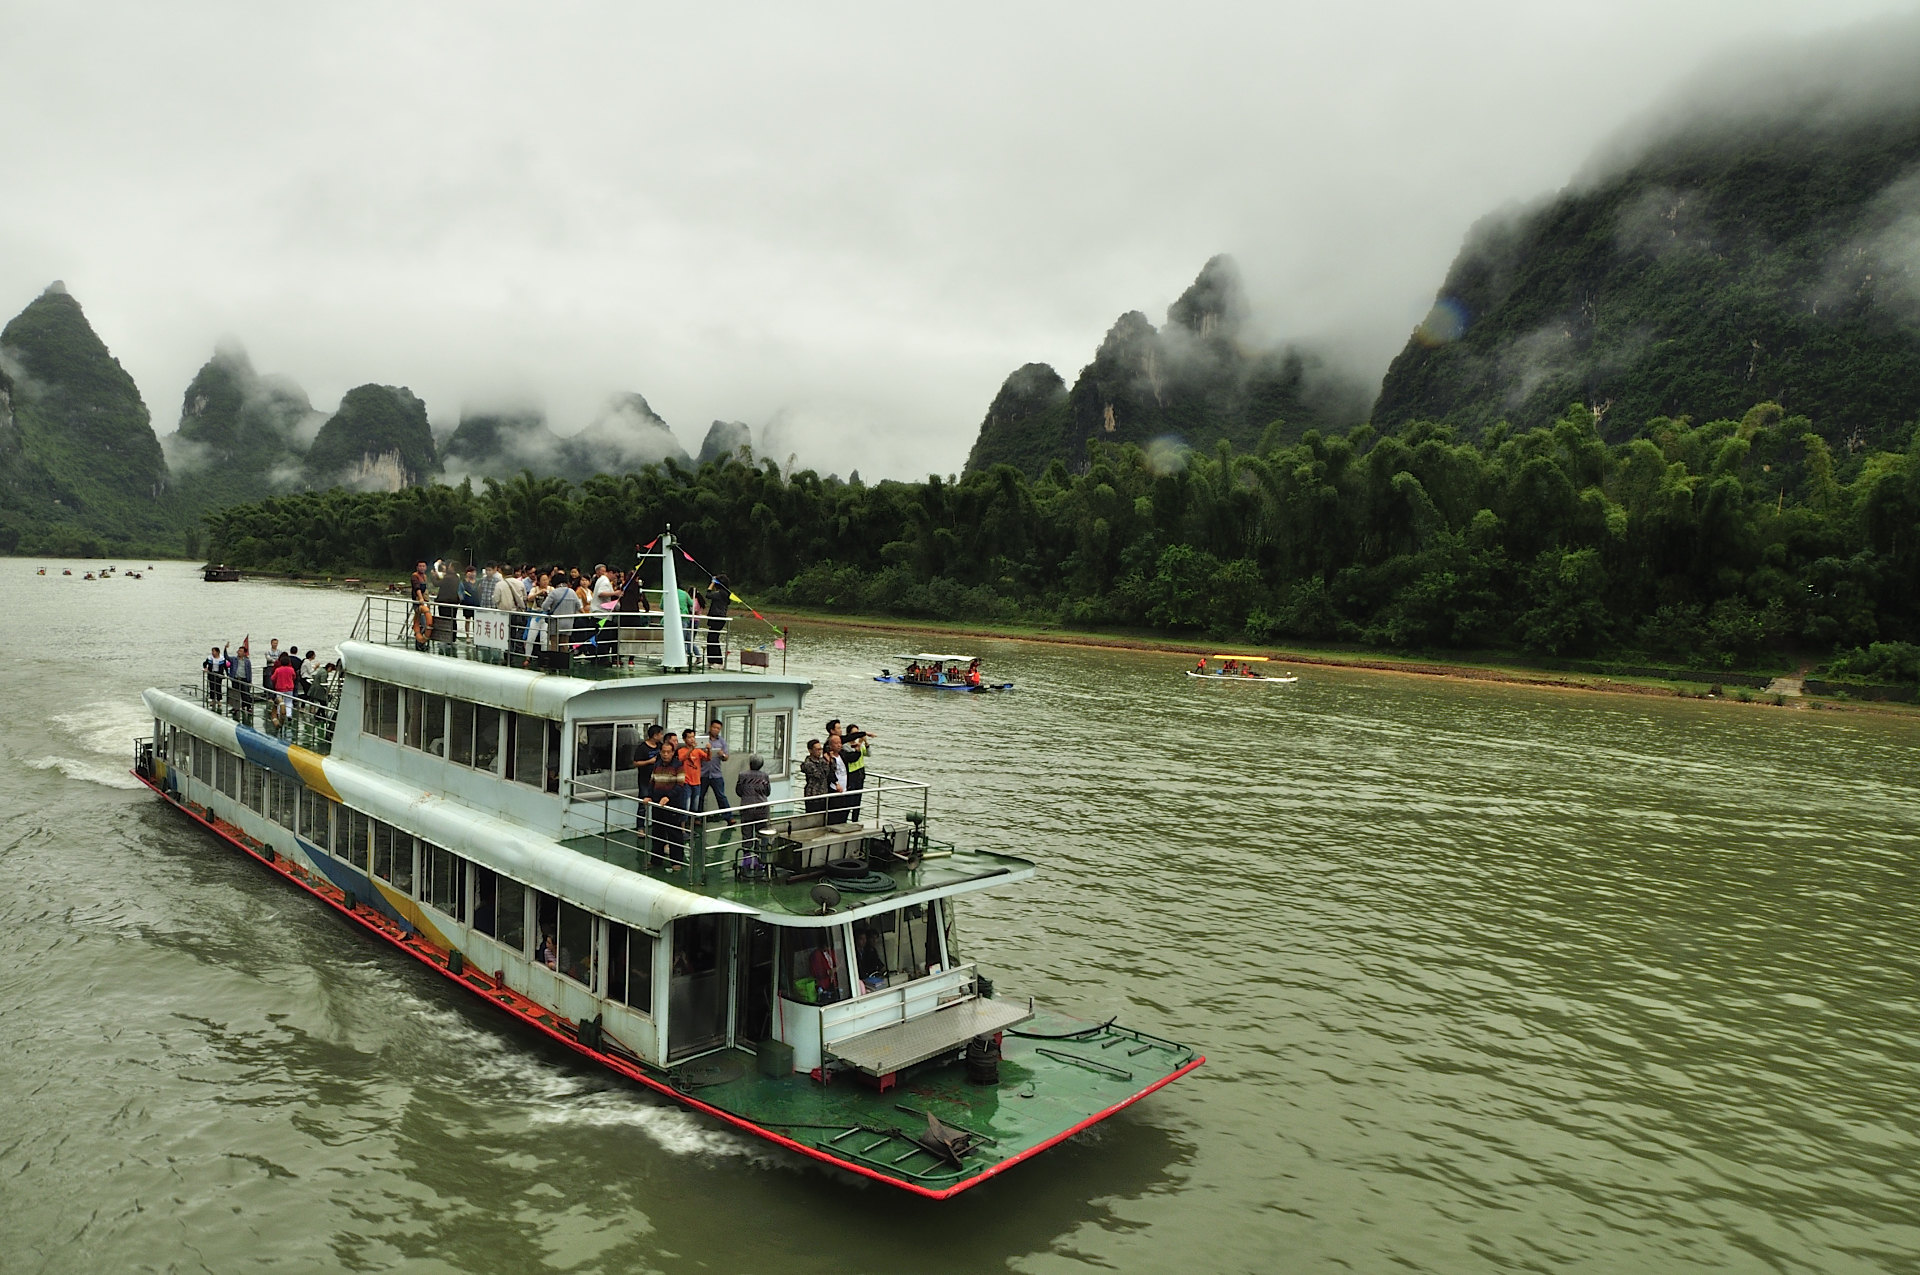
(853, 220)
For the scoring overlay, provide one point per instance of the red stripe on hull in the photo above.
(538, 1017)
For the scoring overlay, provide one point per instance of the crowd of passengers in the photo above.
(291, 686)
(555, 607)
(677, 772)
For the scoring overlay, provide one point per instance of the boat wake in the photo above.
(553, 1096)
(92, 772)
(103, 731)
(106, 727)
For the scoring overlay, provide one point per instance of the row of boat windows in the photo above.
(518, 746)
(522, 919)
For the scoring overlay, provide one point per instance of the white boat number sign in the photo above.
(490, 629)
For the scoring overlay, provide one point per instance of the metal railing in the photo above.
(589, 643)
(306, 721)
(787, 839)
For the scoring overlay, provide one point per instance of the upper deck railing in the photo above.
(306, 721)
(787, 838)
(585, 644)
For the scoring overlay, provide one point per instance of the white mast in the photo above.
(673, 639)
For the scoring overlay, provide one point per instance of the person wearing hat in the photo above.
(856, 746)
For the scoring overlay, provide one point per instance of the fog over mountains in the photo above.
(1756, 237)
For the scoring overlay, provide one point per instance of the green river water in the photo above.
(1489, 978)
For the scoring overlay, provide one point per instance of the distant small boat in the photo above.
(219, 574)
(1235, 668)
(932, 672)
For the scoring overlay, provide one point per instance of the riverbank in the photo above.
(1698, 684)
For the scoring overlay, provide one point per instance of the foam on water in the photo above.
(86, 771)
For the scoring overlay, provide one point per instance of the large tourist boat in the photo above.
(796, 972)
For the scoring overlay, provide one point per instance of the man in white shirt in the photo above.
(604, 594)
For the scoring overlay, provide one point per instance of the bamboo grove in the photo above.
(1727, 542)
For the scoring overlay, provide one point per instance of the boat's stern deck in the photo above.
(1061, 1077)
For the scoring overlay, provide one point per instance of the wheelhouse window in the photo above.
(814, 969)
(603, 756)
(630, 967)
(894, 947)
(774, 741)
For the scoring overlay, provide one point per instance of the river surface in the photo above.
(1489, 978)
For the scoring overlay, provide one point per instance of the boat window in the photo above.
(433, 725)
(526, 749)
(285, 795)
(255, 783)
(773, 735)
(500, 908)
(486, 738)
(314, 814)
(445, 886)
(380, 709)
(553, 757)
(546, 916)
(202, 760)
(603, 755)
(359, 840)
(226, 773)
(630, 967)
(893, 945)
(390, 846)
(814, 971)
(388, 724)
(460, 737)
(416, 713)
(576, 944)
(943, 944)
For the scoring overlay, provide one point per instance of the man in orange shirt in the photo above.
(692, 759)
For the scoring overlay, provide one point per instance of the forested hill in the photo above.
(1768, 254)
(1201, 379)
(78, 456)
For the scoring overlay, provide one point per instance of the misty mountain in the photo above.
(79, 462)
(241, 437)
(1203, 377)
(724, 438)
(500, 444)
(1765, 254)
(378, 440)
(626, 435)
